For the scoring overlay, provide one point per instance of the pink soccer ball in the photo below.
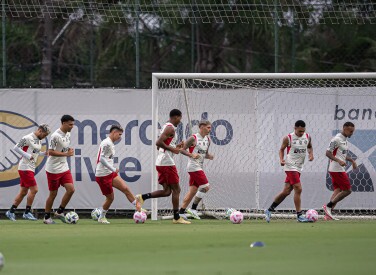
(312, 215)
(139, 217)
(236, 217)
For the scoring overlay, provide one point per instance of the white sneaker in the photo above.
(103, 220)
(328, 211)
(48, 221)
(60, 216)
(193, 213)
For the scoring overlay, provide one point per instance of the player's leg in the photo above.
(120, 184)
(18, 199)
(47, 210)
(187, 199)
(66, 180)
(278, 200)
(33, 190)
(298, 202)
(175, 190)
(201, 193)
(106, 205)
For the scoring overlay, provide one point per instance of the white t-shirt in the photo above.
(106, 151)
(338, 147)
(296, 152)
(31, 145)
(60, 142)
(165, 157)
(201, 148)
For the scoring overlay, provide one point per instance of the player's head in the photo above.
(299, 128)
(348, 129)
(116, 132)
(43, 131)
(175, 116)
(67, 123)
(205, 127)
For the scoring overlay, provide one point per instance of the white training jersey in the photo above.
(106, 151)
(30, 144)
(165, 157)
(60, 142)
(201, 147)
(296, 152)
(338, 147)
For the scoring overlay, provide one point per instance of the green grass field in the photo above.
(204, 247)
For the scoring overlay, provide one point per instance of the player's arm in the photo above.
(310, 150)
(191, 141)
(168, 132)
(354, 165)
(209, 156)
(18, 148)
(105, 153)
(285, 143)
(329, 153)
(53, 152)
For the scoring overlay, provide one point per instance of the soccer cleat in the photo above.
(140, 199)
(327, 218)
(103, 220)
(29, 216)
(328, 211)
(180, 221)
(268, 215)
(60, 216)
(193, 213)
(184, 216)
(301, 218)
(48, 221)
(11, 216)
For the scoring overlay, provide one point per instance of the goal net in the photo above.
(250, 114)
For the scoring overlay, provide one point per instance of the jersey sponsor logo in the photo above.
(13, 126)
(300, 151)
(363, 150)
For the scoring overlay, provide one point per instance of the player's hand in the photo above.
(354, 165)
(70, 152)
(175, 150)
(47, 153)
(195, 156)
(209, 156)
(342, 163)
(117, 170)
(282, 162)
(180, 145)
(310, 157)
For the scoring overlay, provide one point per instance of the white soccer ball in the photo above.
(312, 215)
(139, 217)
(236, 217)
(95, 214)
(71, 217)
(229, 212)
(1, 261)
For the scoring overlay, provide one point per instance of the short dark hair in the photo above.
(66, 118)
(348, 124)
(116, 127)
(175, 112)
(300, 123)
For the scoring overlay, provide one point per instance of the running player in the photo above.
(167, 174)
(29, 148)
(337, 153)
(106, 175)
(297, 144)
(57, 169)
(198, 150)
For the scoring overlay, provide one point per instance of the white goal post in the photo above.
(250, 114)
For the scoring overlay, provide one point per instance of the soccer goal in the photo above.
(250, 114)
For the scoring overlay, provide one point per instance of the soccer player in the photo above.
(57, 169)
(167, 174)
(106, 175)
(297, 144)
(337, 153)
(29, 148)
(198, 150)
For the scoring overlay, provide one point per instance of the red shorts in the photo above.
(27, 178)
(197, 178)
(292, 177)
(105, 183)
(340, 180)
(57, 180)
(167, 174)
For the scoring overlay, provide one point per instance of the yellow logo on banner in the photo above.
(13, 127)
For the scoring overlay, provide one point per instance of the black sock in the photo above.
(28, 209)
(146, 196)
(194, 206)
(182, 210)
(60, 210)
(47, 215)
(273, 206)
(176, 214)
(330, 204)
(298, 214)
(13, 209)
